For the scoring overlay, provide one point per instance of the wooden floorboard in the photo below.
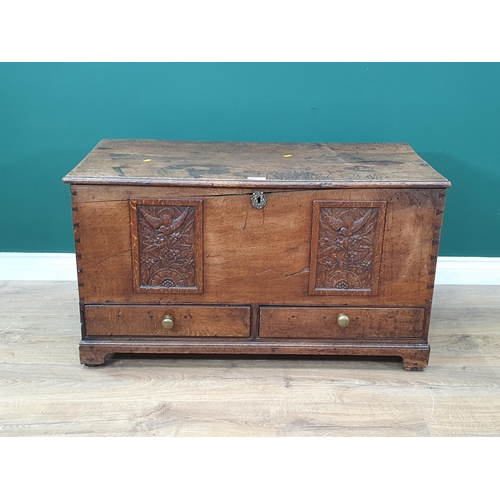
(44, 391)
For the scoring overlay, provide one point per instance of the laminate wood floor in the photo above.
(45, 391)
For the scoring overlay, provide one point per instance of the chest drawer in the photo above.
(325, 323)
(181, 321)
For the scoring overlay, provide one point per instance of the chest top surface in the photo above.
(255, 165)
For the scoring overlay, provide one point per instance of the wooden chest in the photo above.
(256, 248)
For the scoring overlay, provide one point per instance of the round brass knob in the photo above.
(167, 322)
(343, 320)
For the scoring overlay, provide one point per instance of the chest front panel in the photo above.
(320, 247)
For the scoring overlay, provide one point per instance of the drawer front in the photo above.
(323, 322)
(188, 321)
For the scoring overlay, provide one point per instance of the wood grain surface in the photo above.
(244, 248)
(189, 321)
(185, 163)
(44, 391)
(321, 322)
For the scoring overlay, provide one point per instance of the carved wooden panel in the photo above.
(167, 245)
(346, 247)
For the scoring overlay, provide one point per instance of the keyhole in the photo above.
(259, 200)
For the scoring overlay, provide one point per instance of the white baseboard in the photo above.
(62, 267)
(38, 266)
(468, 271)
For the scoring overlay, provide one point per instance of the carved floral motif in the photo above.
(167, 239)
(346, 248)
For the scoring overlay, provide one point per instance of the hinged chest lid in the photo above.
(271, 165)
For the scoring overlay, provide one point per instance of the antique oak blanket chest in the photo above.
(256, 248)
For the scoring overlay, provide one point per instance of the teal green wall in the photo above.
(52, 115)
